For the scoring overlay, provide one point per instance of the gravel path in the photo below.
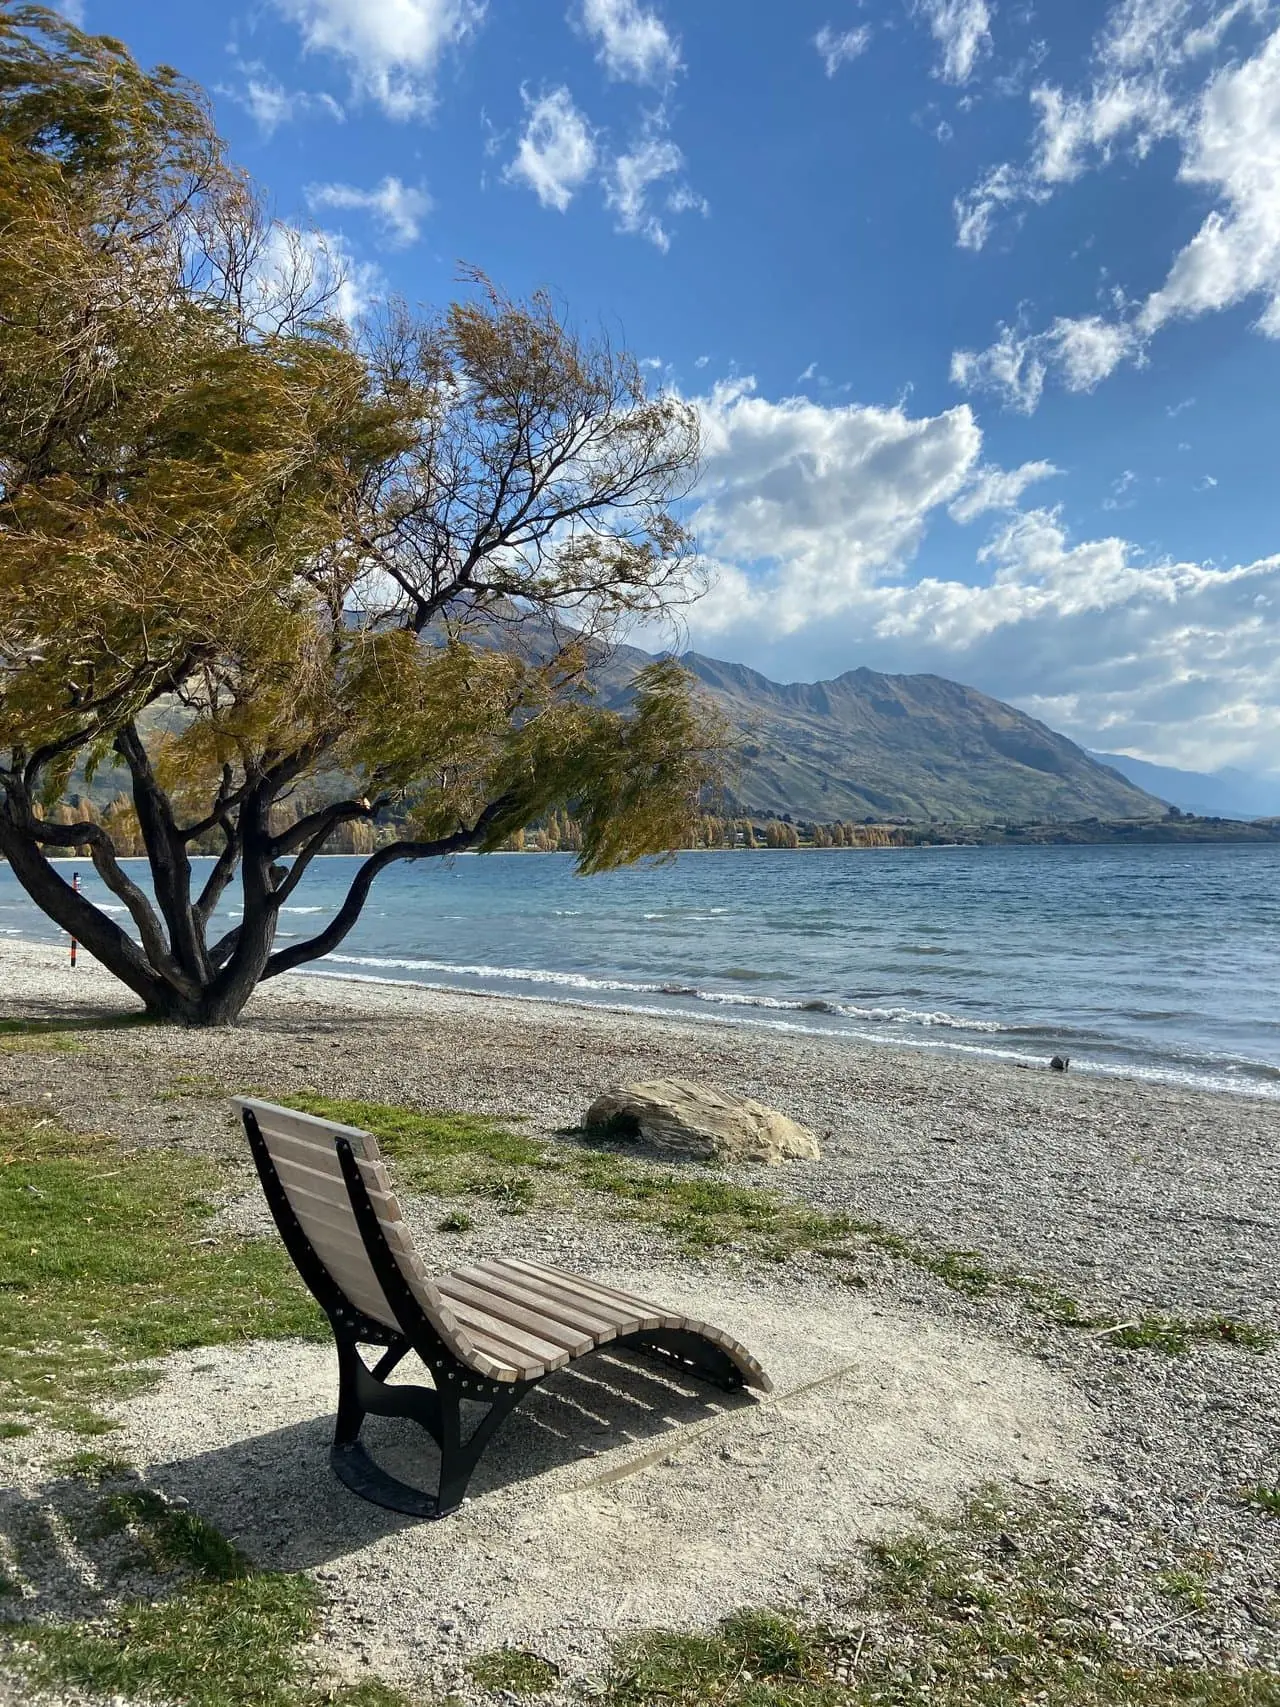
(1129, 1195)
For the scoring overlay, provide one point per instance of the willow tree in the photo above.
(283, 576)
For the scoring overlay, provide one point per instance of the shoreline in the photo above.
(1155, 1191)
(756, 1018)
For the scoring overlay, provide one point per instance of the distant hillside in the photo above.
(868, 746)
(915, 747)
(1226, 793)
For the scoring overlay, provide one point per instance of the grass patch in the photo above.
(92, 1467)
(1266, 1499)
(218, 1645)
(106, 1258)
(456, 1221)
(1187, 1589)
(81, 1022)
(981, 1611)
(514, 1669)
(43, 1043)
(228, 1636)
(465, 1156)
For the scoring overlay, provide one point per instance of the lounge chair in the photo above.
(486, 1334)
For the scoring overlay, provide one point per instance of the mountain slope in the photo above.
(1227, 793)
(918, 747)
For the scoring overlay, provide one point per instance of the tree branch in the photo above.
(298, 953)
(323, 819)
(223, 871)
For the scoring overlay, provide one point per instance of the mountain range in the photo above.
(1225, 793)
(870, 746)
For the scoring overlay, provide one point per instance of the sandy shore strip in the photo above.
(1131, 1197)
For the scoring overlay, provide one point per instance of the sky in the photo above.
(979, 300)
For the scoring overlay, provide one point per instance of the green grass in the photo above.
(980, 1611)
(224, 1636)
(92, 1022)
(468, 1157)
(45, 1043)
(1265, 1498)
(456, 1221)
(1186, 1589)
(106, 1257)
(514, 1669)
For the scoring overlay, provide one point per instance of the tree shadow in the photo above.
(51, 1018)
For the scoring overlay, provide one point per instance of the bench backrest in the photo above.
(303, 1150)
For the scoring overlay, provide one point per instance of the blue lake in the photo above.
(1162, 961)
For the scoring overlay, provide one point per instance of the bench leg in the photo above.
(362, 1393)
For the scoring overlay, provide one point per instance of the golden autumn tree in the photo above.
(283, 577)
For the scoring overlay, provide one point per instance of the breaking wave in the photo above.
(581, 981)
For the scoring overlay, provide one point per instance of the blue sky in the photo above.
(980, 298)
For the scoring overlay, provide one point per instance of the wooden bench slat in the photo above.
(357, 1281)
(335, 1218)
(309, 1128)
(607, 1312)
(503, 1309)
(504, 1363)
(325, 1167)
(520, 1342)
(334, 1187)
(623, 1304)
(601, 1288)
(495, 1278)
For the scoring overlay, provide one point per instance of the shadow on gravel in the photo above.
(274, 1496)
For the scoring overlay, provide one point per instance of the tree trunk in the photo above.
(178, 978)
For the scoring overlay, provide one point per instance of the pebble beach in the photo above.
(1130, 1196)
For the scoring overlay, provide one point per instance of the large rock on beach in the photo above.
(676, 1114)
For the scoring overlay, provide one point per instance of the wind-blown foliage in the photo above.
(247, 551)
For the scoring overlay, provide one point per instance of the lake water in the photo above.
(1158, 961)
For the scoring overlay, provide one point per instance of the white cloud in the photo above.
(1154, 80)
(811, 518)
(71, 10)
(632, 44)
(976, 212)
(820, 498)
(962, 30)
(559, 153)
(1233, 152)
(392, 47)
(397, 209)
(1121, 487)
(838, 47)
(1081, 352)
(999, 489)
(319, 266)
(557, 149)
(628, 182)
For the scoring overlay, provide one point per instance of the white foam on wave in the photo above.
(928, 1018)
(1179, 1079)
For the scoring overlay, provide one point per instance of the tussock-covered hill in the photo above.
(872, 746)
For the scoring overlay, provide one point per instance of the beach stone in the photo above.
(676, 1114)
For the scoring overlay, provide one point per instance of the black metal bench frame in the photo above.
(437, 1409)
